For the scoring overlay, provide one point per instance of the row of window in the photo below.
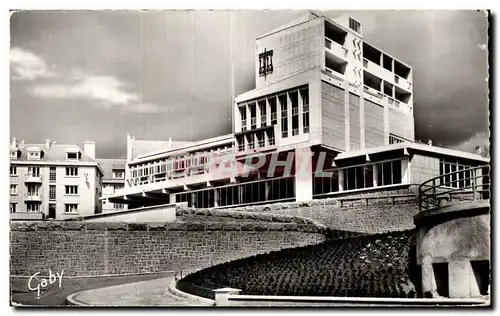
(33, 190)
(37, 154)
(244, 193)
(359, 177)
(35, 171)
(35, 207)
(460, 177)
(175, 167)
(270, 101)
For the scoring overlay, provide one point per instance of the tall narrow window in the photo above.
(52, 174)
(243, 114)
(272, 106)
(294, 98)
(263, 112)
(52, 192)
(304, 93)
(253, 115)
(13, 170)
(284, 115)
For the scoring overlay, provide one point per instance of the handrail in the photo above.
(432, 192)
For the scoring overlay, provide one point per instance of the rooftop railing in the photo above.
(439, 190)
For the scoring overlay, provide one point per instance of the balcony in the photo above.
(373, 92)
(27, 216)
(34, 197)
(402, 83)
(377, 70)
(33, 178)
(336, 49)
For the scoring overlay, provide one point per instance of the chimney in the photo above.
(47, 143)
(14, 142)
(478, 150)
(429, 142)
(22, 143)
(170, 142)
(89, 148)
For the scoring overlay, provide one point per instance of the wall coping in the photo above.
(464, 209)
(129, 211)
(154, 226)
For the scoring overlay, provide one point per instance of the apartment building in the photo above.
(54, 181)
(113, 180)
(323, 96)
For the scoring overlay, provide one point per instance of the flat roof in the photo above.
(414, 146)
(205, 143)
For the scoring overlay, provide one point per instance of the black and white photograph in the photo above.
(250, 158)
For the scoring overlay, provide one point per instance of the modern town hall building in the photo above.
(325, 99)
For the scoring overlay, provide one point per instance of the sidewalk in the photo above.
(145, 293)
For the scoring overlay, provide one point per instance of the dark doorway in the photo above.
(441, 277)
(52, 211)
(481, 269)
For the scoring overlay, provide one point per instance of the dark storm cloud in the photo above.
(159, 91)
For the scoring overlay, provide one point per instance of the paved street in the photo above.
(145, 293)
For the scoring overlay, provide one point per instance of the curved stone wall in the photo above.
(86, 248)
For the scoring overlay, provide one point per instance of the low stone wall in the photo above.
(86, 248)
(368, 212)
(159, 213)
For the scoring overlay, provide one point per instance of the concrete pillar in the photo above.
(375, 175)
(405, 171)
(268, 190)
(428, 280)
(216, 197)
(341, 180)
(222, 296)
(257, 113)
(362, 140)
(171, 198)
(347, 127)
(289, 113)
(303, 174)
(386, 123)
(462, 281)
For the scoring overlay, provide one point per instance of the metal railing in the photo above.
(474, 186)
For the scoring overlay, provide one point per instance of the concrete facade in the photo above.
(320, 90)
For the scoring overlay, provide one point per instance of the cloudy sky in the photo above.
(98, 75)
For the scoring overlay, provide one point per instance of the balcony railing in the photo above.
(30, 177)
(263, 120)
(434, 192)
(36, 197)
(372, 91)
(253, 122)
(336, 48)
